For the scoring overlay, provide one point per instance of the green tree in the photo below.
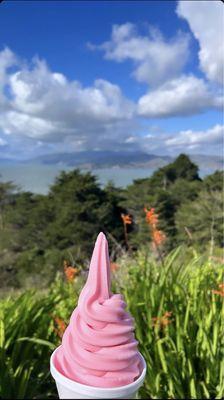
(30, 215)
(201, 221)
(7, 189)
(183, 190)
(184, 168)
(81, 210)
(214, 181)
(111, 210)
(165, 190)
(181, 168)
(62, 224)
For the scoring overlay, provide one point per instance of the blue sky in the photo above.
(87, 75)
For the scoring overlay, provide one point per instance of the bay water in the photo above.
(37, 178)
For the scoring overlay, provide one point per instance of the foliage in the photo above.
(181, 168)
(182, 201)
(202, 220)
(214, 181)
(28, 335)
(6, 193)
(54, 227)
(165, 191)
(177, 310)
(25, 335)
(38, 232)
(178, 324)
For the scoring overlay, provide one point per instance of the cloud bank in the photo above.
(42, 109)
(160, 63)
(186, 95)
(205, 19)
(44, 105)
(155, 59)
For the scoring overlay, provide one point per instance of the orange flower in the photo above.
(60, 326)
(221, 291)
(158, 237)
(151, 217)
(126, 218)
(70, 272)
(168, 314)
(114, 267)
(163, 321)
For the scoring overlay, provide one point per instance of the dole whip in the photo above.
(98, 347)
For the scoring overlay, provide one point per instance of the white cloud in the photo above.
(155, 59)
(131, 139)
(206, 22)
(190, 139)
(159, 62)
(42, 93)
(13, 122)
(42, 111)
(207, 141)
(45, 105)
(186, 95)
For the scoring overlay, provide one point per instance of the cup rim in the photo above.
(91, 390)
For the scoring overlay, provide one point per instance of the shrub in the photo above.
(177, 306)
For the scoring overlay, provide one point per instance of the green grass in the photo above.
(184, 358)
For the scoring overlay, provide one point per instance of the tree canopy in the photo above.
(38, 231)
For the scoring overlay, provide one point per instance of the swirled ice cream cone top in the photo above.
(98, 347)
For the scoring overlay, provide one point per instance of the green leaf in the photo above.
(34, 340)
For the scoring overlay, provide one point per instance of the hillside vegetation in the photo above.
(38, 232)
(165, 238)
(178, 310)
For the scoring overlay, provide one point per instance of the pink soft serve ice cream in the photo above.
(98, 347)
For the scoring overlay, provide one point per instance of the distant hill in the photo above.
(103, 159)
(122, 159)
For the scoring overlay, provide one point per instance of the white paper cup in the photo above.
(68, 389)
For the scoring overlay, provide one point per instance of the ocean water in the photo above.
(37, 177)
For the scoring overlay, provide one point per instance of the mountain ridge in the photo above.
(120, 159)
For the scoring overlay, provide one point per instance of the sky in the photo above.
(111, 75)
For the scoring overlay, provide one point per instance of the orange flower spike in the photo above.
(165, 321)
(126, 218)
(151, 217)
(221, 291)
(70, 272)
(60, 323)
(123, 218)
(162, 321)
(60, 326)
(114, 267)
(158, 237)
(168, 314)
